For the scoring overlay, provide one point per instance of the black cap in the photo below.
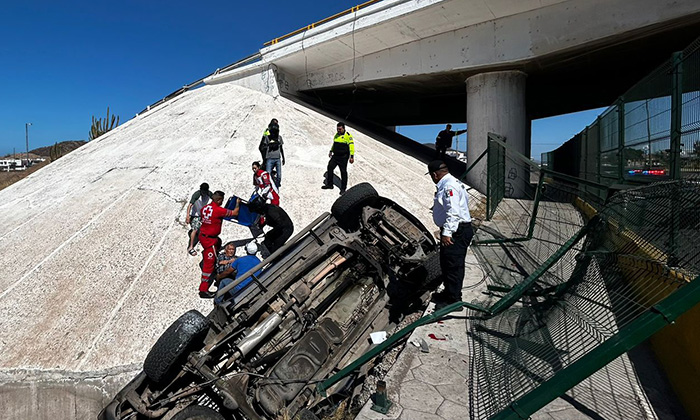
(204, 186)
(435, 166)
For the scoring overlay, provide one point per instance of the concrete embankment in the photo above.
(56, 394)
(93, 261)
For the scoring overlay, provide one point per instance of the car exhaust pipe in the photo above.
(335, 262)
(258, 334)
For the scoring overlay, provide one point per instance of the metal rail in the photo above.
(273, 256)
(660, 315)
(504, 303)
(197, 83)
(321, 22)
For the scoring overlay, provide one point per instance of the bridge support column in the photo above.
(496, 103)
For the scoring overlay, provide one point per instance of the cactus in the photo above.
(55, 152)
(99, 126)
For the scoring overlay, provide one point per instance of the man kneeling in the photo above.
(237, 268)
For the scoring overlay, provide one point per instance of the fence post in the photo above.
(676, 115)
(599, 155)
(620, 139)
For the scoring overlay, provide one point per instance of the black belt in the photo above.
(207, 236)
(462, 226)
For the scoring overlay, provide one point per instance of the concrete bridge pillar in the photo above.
(496, 103)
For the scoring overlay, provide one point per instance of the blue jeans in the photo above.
(275, 163)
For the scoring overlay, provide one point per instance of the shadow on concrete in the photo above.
(379, 132)
(653, 380)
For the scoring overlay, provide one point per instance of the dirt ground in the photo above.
(9, 178)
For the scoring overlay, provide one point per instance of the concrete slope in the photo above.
(93, 246)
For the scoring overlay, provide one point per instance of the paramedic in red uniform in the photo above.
(264, 187)
(212, 217)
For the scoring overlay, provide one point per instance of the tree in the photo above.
(99, 126)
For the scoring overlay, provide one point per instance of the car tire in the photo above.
(198, 412)
(306, 414)
(432, 268)
(175, 343)
(346, 208)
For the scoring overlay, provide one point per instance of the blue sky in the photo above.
(547, 133)
(63, 62)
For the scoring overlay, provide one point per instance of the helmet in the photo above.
(251, 248)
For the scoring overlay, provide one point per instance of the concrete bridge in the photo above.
(94, 244)
(495, 65)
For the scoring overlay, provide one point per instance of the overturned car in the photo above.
(260, 353)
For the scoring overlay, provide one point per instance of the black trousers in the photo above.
(275, 238)
(440, 150)
(342, 163)
(452, 261)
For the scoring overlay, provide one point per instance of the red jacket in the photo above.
(265, 188)
(212, 217)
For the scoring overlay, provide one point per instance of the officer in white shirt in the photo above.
(451, 214)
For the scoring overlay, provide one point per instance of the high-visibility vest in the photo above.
(343, 144)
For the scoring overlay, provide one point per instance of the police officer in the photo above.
(451, 214)
(443, 141)
(342, 149)
(262, 147)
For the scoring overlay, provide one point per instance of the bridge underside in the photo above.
(557, 84)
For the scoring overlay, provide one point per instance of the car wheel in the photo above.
(198, 412)
(306, 414)
(175, 343)
(432, 268)
(346, 209)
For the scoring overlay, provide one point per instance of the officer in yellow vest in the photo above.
(343, 149)
(261, 147)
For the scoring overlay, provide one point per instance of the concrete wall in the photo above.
(412, 38)
(678, 349)
(58, 395)
(258, 76)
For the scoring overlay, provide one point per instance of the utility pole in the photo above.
(26, 135)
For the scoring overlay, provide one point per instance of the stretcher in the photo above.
(246, 216)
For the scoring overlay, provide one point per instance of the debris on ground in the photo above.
(379, 371)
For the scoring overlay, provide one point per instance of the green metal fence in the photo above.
(651, 133)
(629, 276)
(576, 278)
(528, 222)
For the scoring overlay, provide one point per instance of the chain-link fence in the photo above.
(650, 133)
(531, 212)
(603, 290)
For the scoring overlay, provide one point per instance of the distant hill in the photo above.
(66, 146)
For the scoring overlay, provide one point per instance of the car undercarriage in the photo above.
(260, 353)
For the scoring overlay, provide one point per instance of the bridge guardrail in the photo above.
(199, 82)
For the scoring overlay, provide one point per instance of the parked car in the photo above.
(308, 314)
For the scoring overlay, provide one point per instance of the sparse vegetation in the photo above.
(65, 147)
(55, 152)
(100, 126)
(52, 152)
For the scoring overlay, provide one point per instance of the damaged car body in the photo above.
(260, 353)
